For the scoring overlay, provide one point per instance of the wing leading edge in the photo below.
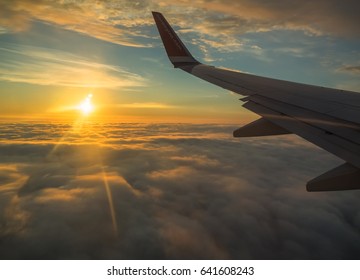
(329, 118)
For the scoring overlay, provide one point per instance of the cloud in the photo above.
(355, 70)
(219, 23)
(178, 192)
(121, 22)
(321, 17)
(87, 17)
(42, 66)
(146, 105)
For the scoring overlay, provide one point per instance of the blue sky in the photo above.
(54, 53)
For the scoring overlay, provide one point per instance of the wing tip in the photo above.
(156, 13)
(177, 52)
(341, 178)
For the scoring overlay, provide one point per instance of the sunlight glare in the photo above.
(86, 107)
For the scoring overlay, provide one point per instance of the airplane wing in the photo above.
(329, 118)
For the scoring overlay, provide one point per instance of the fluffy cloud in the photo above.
(176, 191)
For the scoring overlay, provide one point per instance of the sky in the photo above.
(54, 53)
(107, 152)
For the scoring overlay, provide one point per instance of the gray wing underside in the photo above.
(329, 118)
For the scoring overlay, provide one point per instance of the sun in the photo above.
(86, 107)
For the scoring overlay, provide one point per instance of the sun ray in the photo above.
(111, 202)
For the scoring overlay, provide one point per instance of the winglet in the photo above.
(341, 178)
(175, 49)
(260, 127)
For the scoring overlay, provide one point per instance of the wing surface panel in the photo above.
(328, 101)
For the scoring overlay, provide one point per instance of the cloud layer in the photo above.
(320, 17)
(114, 20)
(178, 192)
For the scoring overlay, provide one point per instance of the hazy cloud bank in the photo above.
(178, 191)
